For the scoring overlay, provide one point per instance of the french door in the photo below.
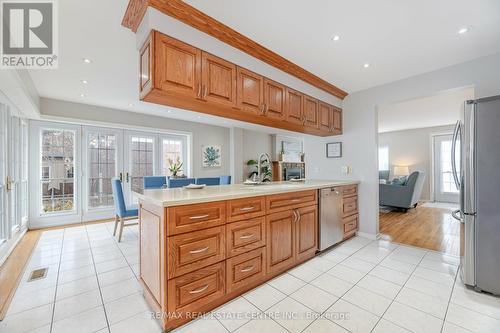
(74, 166)
(444, 185)
(4, 225)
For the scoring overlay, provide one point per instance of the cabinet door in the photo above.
(306, 232)
(218, 80)
(274, 99)
(250, 91)
(337, 120)
(325, 117)
(311, 118)
(294, 106)
(280, 241)
(178, 67)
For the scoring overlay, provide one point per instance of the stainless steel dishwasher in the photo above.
(331, 228)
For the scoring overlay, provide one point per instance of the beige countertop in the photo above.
(182, 196)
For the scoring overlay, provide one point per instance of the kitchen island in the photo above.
(200, 248)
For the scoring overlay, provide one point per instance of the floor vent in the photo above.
(38, 274)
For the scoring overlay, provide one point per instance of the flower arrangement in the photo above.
(174, 167)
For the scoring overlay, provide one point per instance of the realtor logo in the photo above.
(29, 34)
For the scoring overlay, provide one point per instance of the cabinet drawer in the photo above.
(350, 205)
(349, 190)
(350, 224)
(194, 290)
(242, 209)
(195, 217)
(245, 269)
(188, 252)
(281, 202)
(246, 235)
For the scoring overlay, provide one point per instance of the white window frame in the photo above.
(380, 158)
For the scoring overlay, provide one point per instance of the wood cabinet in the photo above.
(294, 106)
(350, 210)
(177, 74)
(178, 67)
(311, 118)
(218, 79)
(249, 91)
(274, 99)
(281, 241)
(195, 257)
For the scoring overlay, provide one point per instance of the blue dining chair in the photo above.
(154, 182)
(179, 182)
(208, 181)
(225, 180)
(121, 210)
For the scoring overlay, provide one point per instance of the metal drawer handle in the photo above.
(248, 269)
(198, 217)
(200, 250)
(246, 209)
(295, 200)
(247, 236)
(197, 291)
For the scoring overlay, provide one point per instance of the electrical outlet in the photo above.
(346, 170)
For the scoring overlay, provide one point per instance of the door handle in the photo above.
(453, 148)
(121, 177)
(197, 291)
(198, 217)
(127, 177)
(199, 90)
(204, 91)
(298, 215)
(247, 269)
(455, 216)
(199, 250)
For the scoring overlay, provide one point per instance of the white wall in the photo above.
(412, 148)
(360, 112)
(254, 143)
(202, 134)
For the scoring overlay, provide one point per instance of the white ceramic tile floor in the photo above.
(359, 286)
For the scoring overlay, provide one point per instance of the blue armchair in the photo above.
(121, 210)
(402, 196)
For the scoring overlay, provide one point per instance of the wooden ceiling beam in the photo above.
(200, 21)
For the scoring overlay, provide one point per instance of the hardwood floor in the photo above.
(430, 228)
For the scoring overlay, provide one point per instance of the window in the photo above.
(172, 152)
(383, 158)
(142, 161)
(58, 150)
(447, 181)
(102, 163)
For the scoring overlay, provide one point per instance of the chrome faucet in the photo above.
(259, 164)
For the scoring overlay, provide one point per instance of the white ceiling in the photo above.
(398, 38)
(441, 109)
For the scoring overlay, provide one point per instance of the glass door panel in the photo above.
(4, 225)
(173, 149)
(444, 185)
(103, 161)
(140, 161)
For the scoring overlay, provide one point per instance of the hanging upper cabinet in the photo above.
(177, 74)
(250, 91)
(178, 67)
(218, 79)
(274, 99)
(311, 118)
(294, 106)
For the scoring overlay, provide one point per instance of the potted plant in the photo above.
(174, 167)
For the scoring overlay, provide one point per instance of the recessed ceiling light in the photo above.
(463, 31)
(85, 81)
(336, 38)
(82, 95)
(87, 61)
(366, 65)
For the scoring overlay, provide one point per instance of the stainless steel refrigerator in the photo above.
(477, 174)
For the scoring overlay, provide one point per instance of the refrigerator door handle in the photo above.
(453, 154)
(455, 216)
